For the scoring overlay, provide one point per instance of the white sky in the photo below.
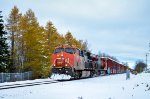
(117, 27)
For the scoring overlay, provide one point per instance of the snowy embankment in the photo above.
(105, 87)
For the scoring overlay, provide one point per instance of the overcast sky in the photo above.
(120, 28)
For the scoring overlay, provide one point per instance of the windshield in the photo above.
(58, 50)
(70, 50)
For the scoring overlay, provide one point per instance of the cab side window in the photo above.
(78, 51)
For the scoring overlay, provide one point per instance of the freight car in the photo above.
(112, 66)
(72, 61)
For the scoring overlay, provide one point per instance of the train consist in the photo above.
(72, 61)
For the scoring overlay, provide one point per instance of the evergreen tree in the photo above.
(69, 39)
(52, 36)
(140, 66)
(32, 35)
(52, 40)
(4, 53)
(12, 27)
(84, 45)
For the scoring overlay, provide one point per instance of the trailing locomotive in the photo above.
(72, 61)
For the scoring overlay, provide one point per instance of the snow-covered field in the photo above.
(105, 87)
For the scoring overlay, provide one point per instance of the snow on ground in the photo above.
(105, 87)
(60, 77)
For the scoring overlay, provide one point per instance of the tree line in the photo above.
(31, 45)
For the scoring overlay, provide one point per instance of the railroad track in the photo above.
(2, 87)
(10, 86)
(26, 84)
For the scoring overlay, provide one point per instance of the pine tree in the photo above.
(140, 66)
(83, 45)
(72, 41)
(52, 39)
(32, 43)
(4, 53)
(12, 27)
(69, 39)
(52, 36)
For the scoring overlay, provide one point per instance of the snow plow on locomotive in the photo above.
(75, 63)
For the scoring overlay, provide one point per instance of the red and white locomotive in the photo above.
(72, 61)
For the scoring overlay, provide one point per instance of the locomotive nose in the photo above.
(60, 62)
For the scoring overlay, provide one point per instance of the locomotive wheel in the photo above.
(80, 74)
(91, 73)
(77, 75)
(103, 72)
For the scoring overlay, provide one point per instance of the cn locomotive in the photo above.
(70, 60)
